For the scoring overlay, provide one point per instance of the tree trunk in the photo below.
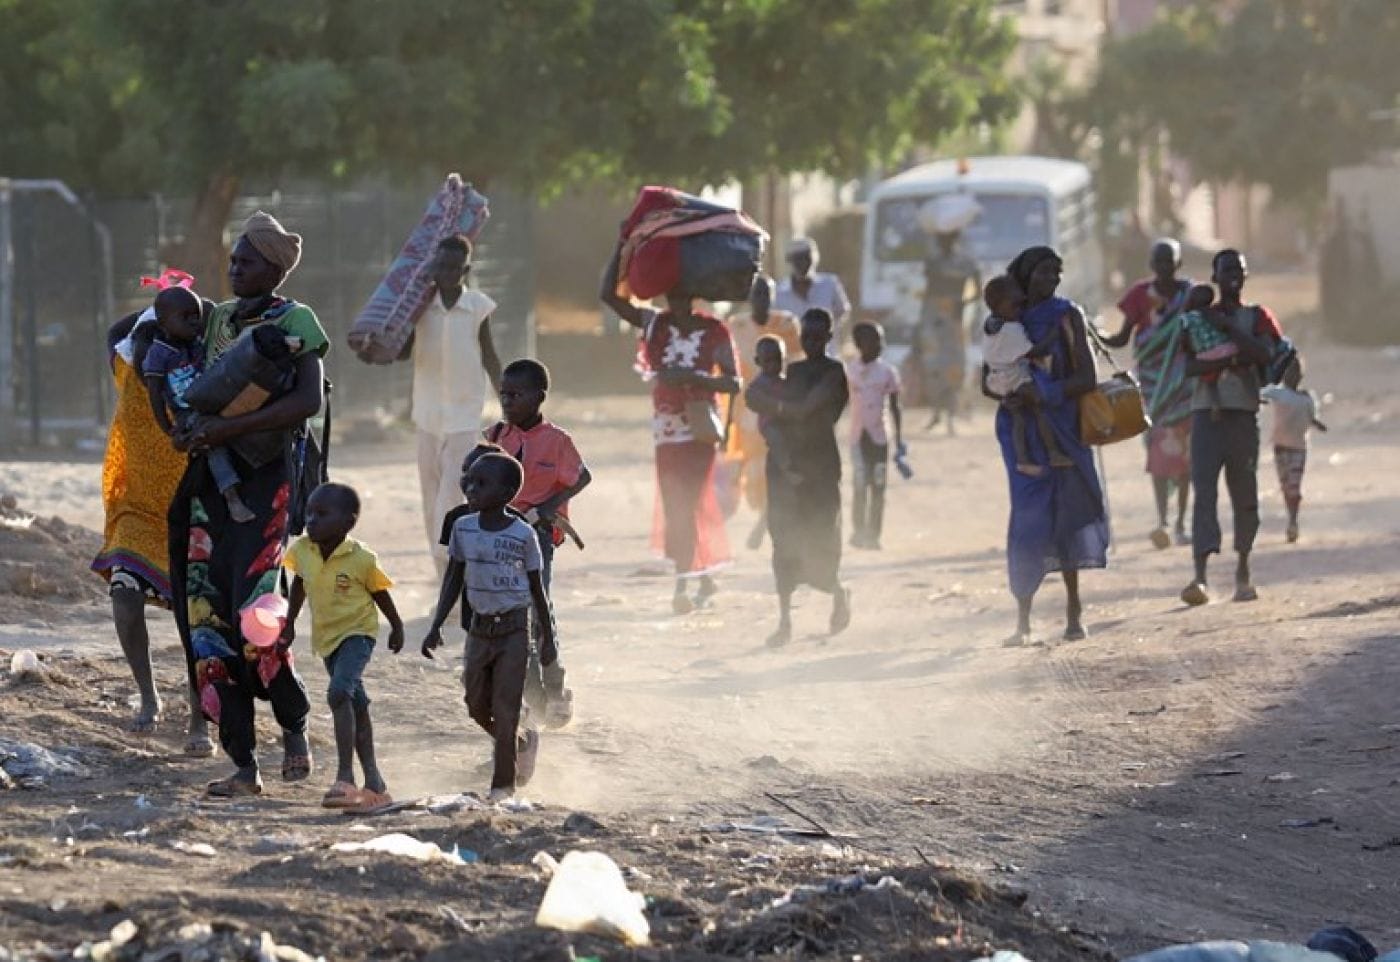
(201, 251)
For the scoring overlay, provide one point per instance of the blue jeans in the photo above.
(346, 666)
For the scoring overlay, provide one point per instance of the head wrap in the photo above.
(1026, 262)
(273, 241)
(804, 245)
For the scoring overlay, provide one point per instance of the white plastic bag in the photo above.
(587, 894)
(948, 213)
(397, 843)
(25, 662)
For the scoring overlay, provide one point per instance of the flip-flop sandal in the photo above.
(296, 768)
(370, 803)
(232, 787)
(1195, 595)
(341, 795)
(200, 747)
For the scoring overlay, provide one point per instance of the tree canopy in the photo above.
(129, 96)
(1274, 92)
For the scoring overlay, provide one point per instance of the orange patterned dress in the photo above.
(140, 473)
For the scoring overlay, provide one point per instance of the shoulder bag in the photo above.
(1113, 411)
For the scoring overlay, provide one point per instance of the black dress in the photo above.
(804, 517)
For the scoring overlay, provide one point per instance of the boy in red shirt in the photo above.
(554, 474)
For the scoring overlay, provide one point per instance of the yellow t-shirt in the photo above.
(338, 591)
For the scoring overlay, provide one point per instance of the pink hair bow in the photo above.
(170, 277)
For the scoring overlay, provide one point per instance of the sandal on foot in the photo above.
(369, 802)
(296, 768)
(342, 795)
(1195, 594)
(234, 787)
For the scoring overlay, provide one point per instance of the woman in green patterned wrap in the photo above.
(219, 566)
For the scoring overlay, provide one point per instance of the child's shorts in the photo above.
(346, 666)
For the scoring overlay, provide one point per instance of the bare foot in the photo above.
(781, 636)
(1244, 591)
(1160, 539)
(1017, 639)
(681, 603)
(198, 744)
(841, 610)
(708, 589)
(147, 719)
(1074, 631)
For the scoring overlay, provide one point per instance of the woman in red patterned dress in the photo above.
(688, 356)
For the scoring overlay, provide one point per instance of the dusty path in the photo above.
(1140, 785)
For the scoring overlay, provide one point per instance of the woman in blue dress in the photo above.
(1058, 520)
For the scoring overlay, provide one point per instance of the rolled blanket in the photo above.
(384, 326)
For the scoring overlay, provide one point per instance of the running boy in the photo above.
(1008, 354)
(770, 357)
(1295, 413)
(174, 359)
(344, 583)
(494, 565)
(872, 381)
(554, 475)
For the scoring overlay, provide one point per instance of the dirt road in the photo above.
(1224, 772)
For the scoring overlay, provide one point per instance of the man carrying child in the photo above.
(1225, 433)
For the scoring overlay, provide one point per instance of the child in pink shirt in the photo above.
(874, 383)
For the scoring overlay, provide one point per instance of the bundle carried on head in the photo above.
(675, 242)
(948, 213)
(385, 324)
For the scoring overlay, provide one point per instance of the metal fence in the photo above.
(61, 301)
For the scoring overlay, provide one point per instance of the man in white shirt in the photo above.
(454, 364)
(807, 288)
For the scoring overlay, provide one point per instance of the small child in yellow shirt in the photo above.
(344, 583)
